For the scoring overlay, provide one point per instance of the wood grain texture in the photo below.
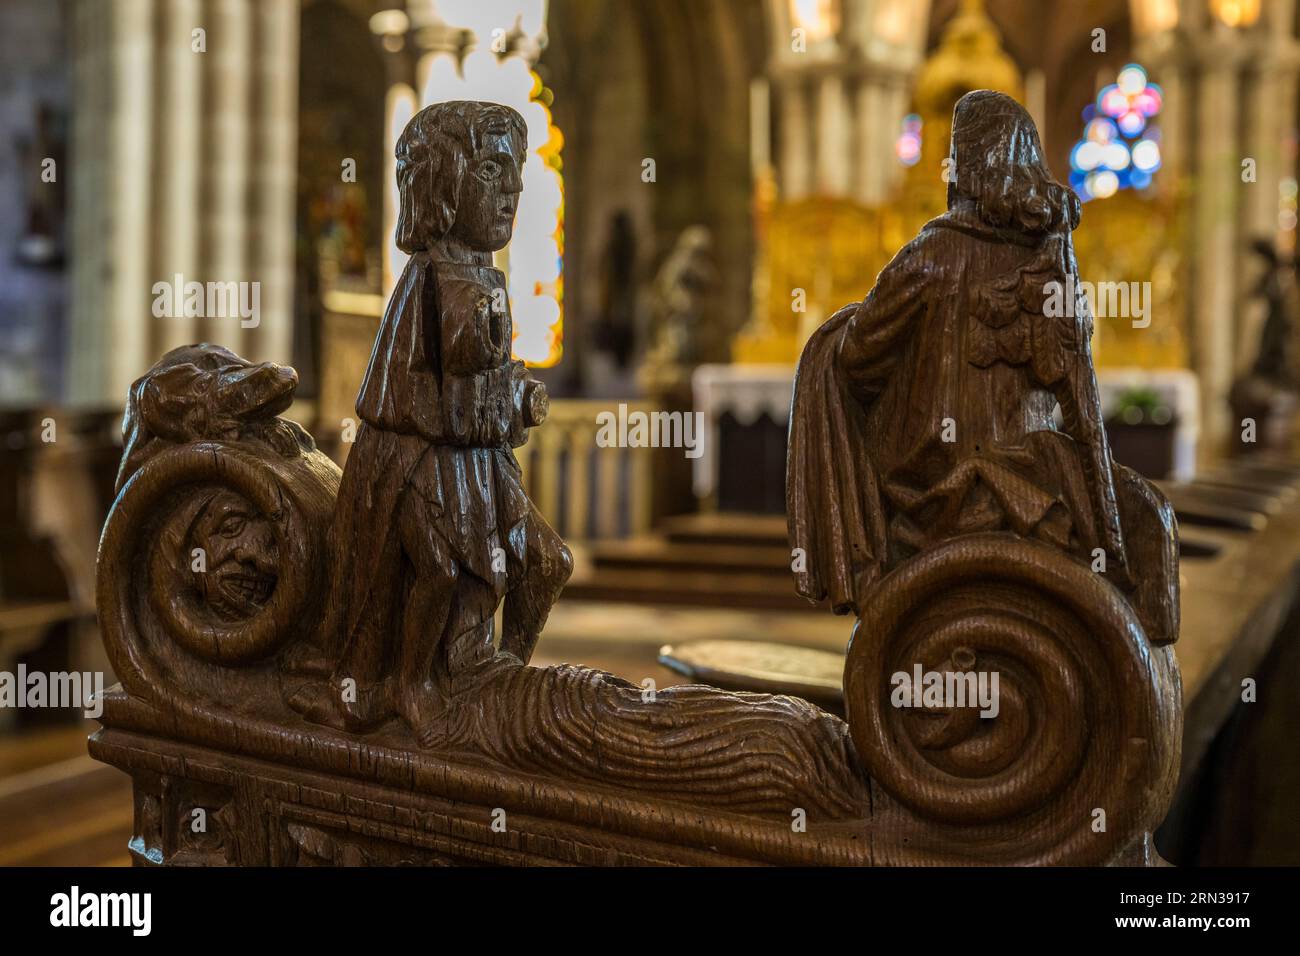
(310, 658)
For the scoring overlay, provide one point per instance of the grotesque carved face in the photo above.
(241, 556)
(489, 193)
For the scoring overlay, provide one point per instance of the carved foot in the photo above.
(318, 702)
(339, 703)
(306, 659)
(424, 708)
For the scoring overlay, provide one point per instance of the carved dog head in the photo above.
(208, 393)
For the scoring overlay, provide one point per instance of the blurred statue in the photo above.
(616, 330)
(679, 292)
(41, 158)
(1267, 394)
(1275, 357)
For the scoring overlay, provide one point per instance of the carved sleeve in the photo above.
(472, 331)
(874, 337)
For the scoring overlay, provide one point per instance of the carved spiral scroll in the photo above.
(1087, 714)
(213, 558)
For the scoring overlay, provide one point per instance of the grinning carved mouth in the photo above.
(244, 589)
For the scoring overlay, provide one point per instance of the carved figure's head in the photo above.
(999, 166)
(459, 174)
(241, 556)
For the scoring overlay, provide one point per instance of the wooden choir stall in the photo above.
(308, 659)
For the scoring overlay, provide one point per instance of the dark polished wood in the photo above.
(309, 657)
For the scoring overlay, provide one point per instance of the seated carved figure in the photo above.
(932, 494)
(927, 411)
(312, 656)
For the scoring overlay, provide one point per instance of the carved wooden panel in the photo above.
(309, 657)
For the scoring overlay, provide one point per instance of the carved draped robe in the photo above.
(927, 411)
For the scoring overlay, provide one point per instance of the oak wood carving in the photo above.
(310, 657)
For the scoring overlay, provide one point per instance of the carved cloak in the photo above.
(833, 503)
(952, 338)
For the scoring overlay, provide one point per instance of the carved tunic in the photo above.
(441, 410)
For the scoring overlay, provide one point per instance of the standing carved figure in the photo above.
(1267, 393)
(1275, 356)
(433, 527)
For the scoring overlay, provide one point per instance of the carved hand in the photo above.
(534, 403)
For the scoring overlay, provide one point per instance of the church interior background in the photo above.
(707, 181)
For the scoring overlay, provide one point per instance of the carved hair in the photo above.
(999, 166)
(432, 155)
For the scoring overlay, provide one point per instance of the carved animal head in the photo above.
(208, 393)
(459, 167)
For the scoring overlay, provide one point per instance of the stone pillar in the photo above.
(1270, 102)
(897, 94)
(111, 215)
(194, 173)
(227, 83)
(275, 174)
(796, 140)
(178, 164)
(401, 104)
(832, 136)
(870, 185)
(1215, 237)
(1175, 119)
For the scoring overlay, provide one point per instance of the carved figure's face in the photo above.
(241, 556)
(489, 194)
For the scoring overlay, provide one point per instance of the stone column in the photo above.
(1215, 237)
(177, 165)
(797, 146)
(193, 171)
(1270, 102)
(897, 94)
(111, 215)
(871, 177)
(832, 136)
(227, 83)
(275, 174)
